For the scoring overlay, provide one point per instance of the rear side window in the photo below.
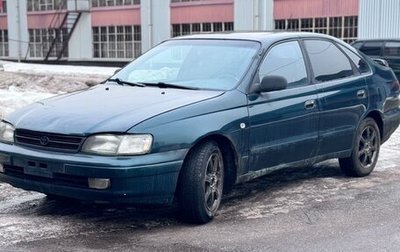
(327, 61)
(392, 49)
(361, 65)
(285, 60)
(372, 48)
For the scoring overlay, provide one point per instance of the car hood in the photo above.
(104, 108)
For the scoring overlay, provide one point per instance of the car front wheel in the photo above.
(365, 151)
(201, 183)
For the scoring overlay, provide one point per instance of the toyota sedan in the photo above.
(197, 114)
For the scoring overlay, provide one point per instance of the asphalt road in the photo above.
(301, 209)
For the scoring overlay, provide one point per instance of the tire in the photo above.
(365, 150)
(201, 183)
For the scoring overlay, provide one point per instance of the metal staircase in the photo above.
(63, 19)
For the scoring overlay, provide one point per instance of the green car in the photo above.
(194, 115)
(387, 49)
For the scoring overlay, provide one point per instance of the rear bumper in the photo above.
(147, 179)
(391, 122)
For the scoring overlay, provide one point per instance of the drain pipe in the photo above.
(151, 23)
(19, 32)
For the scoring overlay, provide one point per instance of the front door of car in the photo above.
(284, 123)
(342, 94)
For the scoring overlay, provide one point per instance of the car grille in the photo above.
(49, 141)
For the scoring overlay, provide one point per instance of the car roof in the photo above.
(264, 38)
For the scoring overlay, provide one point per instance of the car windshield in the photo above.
(197, 64)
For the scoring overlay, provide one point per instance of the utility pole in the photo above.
(19, 31)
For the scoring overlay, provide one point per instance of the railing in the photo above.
(56, 18)
(69, 21)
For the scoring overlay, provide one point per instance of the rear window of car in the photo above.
(372, 48)
(327, 61)
(361, 65)
(392, 49)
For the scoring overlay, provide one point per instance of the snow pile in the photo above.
(56, 69)
(24, 83)
(13, 98)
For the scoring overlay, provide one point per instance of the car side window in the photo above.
(361, 65)
(285, 60)
(392, 49)
(372, 48)
(327, 61)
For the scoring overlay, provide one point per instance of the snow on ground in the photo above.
(30, 68)
(25, 83)
(13, 98)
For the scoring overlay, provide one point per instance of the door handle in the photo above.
(361, 94)
(310, 104)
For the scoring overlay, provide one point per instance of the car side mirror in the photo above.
(270, 83)
(382, 62)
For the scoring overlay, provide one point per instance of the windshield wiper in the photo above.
(169, 85)
(122, 82)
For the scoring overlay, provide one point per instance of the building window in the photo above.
(46, 5)
(280, 24)
(118, 42)
(3, 7)
(321, 25)
(206, 27)
(3, 43)
(307, 25)
(196, 28)
(350, 29)
(228, 26)
(186, 29)
(292, 25)
(336, 27)
(40, 41)
(341, 27)
(103, 3)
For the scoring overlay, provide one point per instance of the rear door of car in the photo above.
(342, 95)
(284, 123)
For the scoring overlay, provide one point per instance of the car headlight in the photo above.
(108, 144)
(6, 132)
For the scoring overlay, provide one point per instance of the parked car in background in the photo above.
(197, 114)
(387, 49)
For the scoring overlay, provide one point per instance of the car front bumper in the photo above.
(146, 179)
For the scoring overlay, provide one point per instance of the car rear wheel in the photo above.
(201, 183)
(365, 151)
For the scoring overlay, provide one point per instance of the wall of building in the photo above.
(254, 15)
(18, 36)
(379, 19)
(338, 18)
(111, 31)
(202, 11)
(45, 19)
(155, 25)
(287, 9)
(78, 46)
(3, 21)
(117, 15)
